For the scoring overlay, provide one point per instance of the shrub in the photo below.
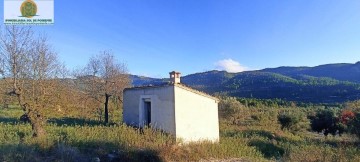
(229, 106)
(354, 125)
(346, 116)
(327, 122)
(288, 121)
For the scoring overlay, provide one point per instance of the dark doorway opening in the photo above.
(147, 106)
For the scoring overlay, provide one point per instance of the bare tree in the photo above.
(103, 78)
(32, 69)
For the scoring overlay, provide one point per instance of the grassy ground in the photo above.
(253, 135)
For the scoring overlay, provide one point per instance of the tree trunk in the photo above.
(36, 119)
(38, 128)
(107, 96)
(37, 124)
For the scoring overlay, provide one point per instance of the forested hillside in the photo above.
(341, 71)
(330, 83)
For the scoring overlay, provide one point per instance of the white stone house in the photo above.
(188, 114)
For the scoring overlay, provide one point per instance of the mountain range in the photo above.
(330, 83)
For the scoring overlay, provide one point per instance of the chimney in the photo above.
(175, 77)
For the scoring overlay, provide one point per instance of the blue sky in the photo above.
(154, 37)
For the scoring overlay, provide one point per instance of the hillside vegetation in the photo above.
(333, 83)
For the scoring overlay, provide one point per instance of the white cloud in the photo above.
(230, 65)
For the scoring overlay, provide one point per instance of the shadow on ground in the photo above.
(268, 149)
(264, 144)
(68, 121)
(248, 133)
(79, 152)
(8, 120)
